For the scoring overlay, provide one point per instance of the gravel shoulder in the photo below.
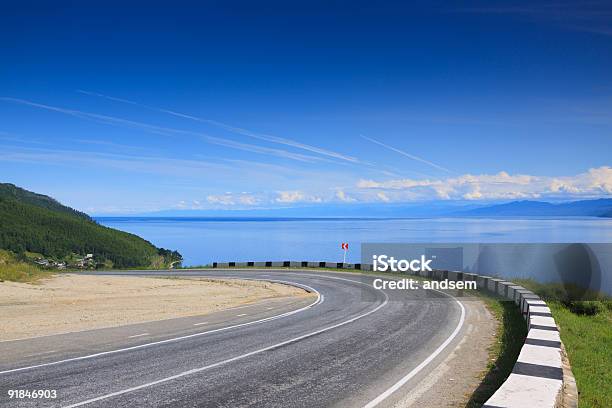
(72, 302)
(452, 382)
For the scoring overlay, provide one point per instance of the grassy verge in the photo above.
(14, 270)
(588, 342)
(586, 332)
(510, 336)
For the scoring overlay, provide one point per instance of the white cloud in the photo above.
(383, 197)
(223, 199)
(599, 179)
(593, 183)
(342, 196)
(248, 199)
(296, 197)
(230, 199)
(191, 205)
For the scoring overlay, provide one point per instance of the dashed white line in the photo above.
(189, 336)
(320, 300)
(40, 354)
(237, 307)
(240, 357)
(138, 335)
(200, 324)
(242, 314)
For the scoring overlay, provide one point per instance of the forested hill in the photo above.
(37, 223)
(27, 197)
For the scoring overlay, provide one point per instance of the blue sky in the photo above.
(116, 109)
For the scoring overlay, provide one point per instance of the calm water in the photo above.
(204, 240)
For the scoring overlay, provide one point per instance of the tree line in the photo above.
(25, 226)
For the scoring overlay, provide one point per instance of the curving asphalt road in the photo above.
(350, 345)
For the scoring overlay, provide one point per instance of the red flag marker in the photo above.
(345, 247)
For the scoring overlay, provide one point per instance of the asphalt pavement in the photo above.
(348, 345)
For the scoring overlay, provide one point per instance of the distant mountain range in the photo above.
(348, 210)
(584, 208)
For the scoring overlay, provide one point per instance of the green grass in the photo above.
(588, 342)
(14, 270)
(586, 332)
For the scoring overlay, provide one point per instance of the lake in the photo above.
(205, 240)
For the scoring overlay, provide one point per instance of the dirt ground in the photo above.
(71, 302)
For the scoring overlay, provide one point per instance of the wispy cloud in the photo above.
(166, 131)
(235, 129)
(198, 177)
(588, 16)
(403, 153)
(10, 137)
(110, 145)
(262, 149)
(382, 196)
(132, 163)
(225, 142)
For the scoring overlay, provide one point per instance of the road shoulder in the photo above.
(453, 380)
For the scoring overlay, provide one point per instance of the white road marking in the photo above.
(319, 300)
(200, 324)
(104, 353)
(269, 308)
(145, 274)
(423, 364)
(240, 357)
(40, 354)
(138, 335)
(240, 315)
(236, 307)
